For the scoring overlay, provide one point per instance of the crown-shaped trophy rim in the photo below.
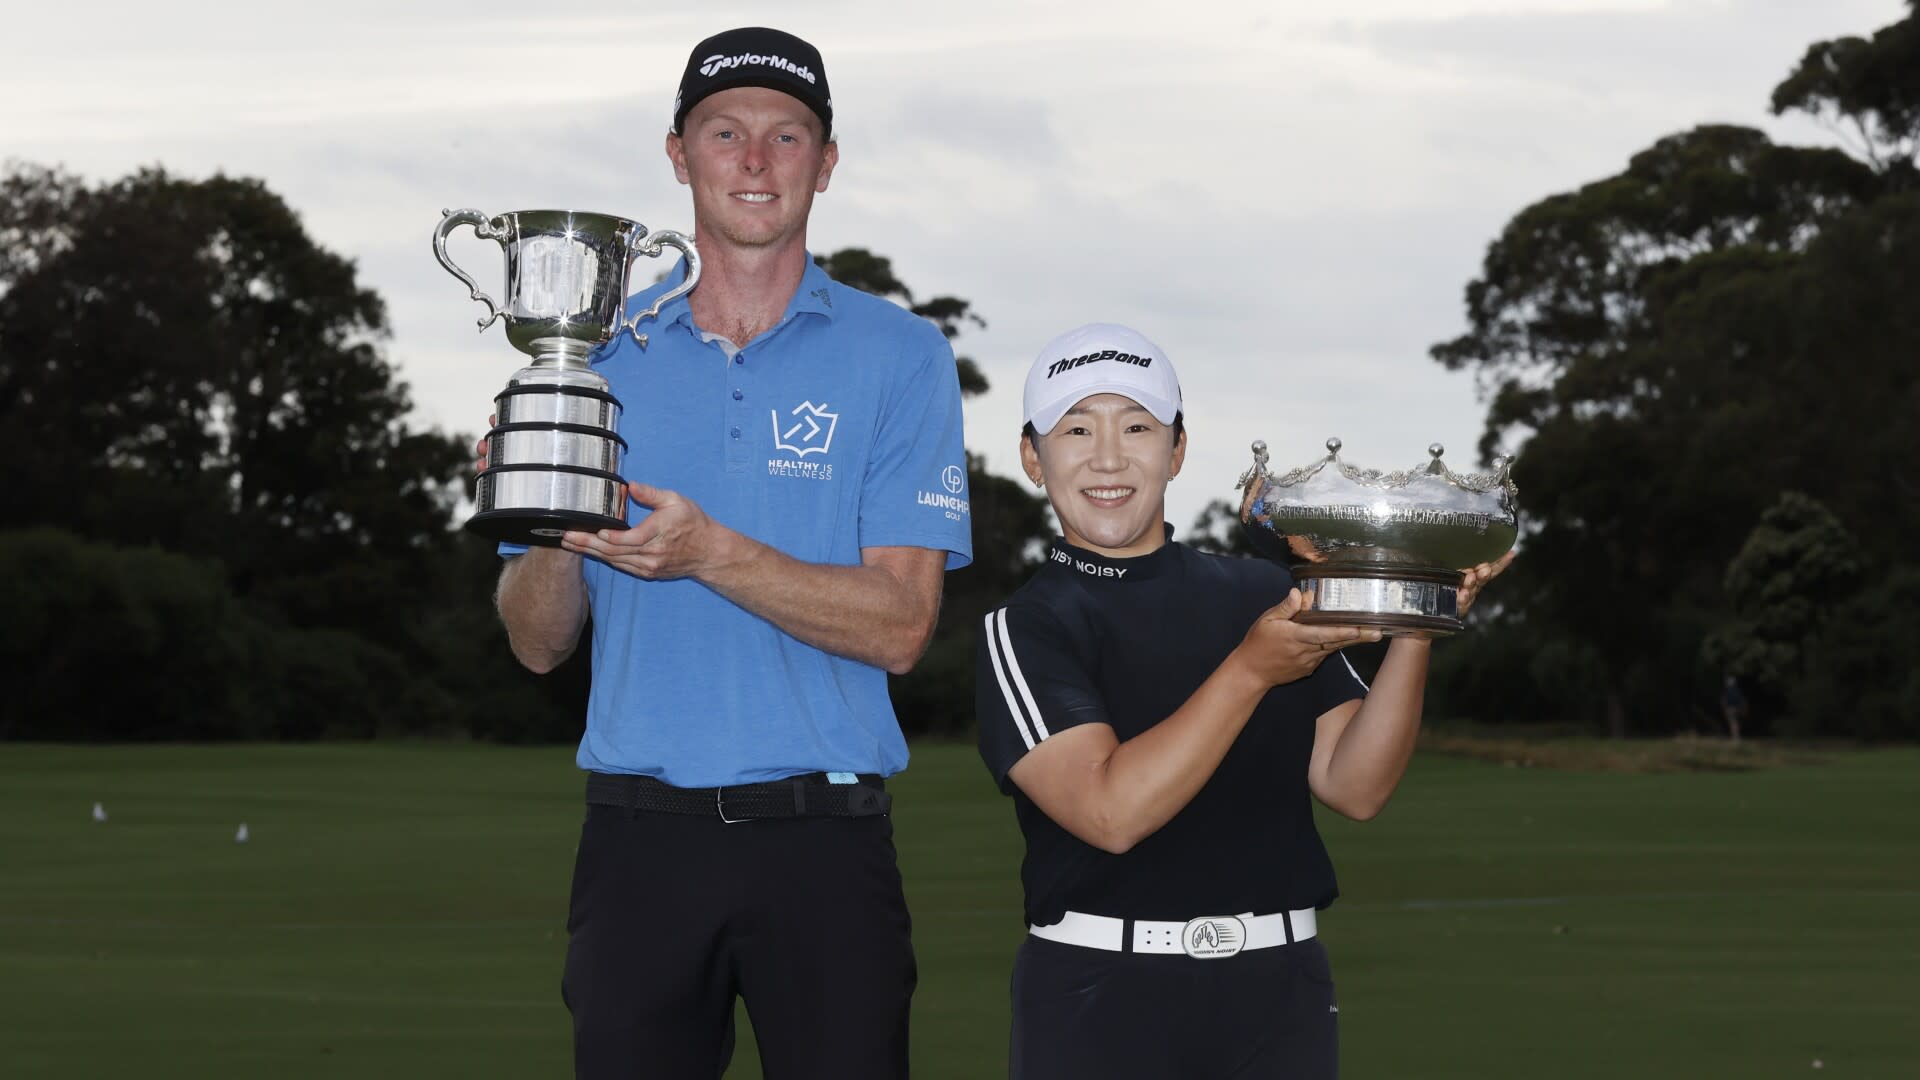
(1500, 479)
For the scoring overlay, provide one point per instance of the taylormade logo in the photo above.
(712, 65)
(1116, 356)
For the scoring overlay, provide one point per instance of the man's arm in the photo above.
(881, 612)
(542, 599)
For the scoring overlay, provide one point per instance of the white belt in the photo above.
(1208, 937)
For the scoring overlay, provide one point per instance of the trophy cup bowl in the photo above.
(1381, 550)
(553, 455)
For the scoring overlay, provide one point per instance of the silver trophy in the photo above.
(553, 455)
(1384, 550)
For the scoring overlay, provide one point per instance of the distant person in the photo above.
(1733, 706)
(798, 487)
(1161, 723)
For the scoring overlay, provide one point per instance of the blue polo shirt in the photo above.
(836, 430)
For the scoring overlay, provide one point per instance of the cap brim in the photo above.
(769, 82)
(1046, 418)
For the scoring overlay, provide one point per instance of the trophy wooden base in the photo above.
(538, 528)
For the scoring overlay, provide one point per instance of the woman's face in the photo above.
(1105, 466)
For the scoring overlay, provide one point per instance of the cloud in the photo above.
(1702, 49)
(1289, 201)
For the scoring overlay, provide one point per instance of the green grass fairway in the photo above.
(398, 912)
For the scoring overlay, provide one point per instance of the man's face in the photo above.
(754, 158)
(1106, 465)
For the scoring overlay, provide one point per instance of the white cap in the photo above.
(1099, 358)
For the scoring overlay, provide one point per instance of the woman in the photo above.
(1161, 722)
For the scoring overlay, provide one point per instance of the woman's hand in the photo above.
(1279, 650)
(1477, 579)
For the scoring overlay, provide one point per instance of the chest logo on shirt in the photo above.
(804, 429)
(1206, 939)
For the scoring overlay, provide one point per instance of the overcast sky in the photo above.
(1288, 197)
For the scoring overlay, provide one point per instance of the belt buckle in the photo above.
(720, 807)
(1213, 937)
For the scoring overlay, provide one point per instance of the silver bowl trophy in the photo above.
(553, 455)
(1383, 550)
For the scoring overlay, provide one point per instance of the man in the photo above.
(784, 554)
(1162, 724)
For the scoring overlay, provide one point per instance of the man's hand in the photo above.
(677, 540)
(1477, 579)
(1279, 650)
(480, 448)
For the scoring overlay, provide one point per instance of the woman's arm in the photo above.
(1361, 749)
(1113, 794)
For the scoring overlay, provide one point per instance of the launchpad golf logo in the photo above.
(951, 503)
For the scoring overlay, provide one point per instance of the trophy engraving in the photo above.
(554, 453)
(1376, 549)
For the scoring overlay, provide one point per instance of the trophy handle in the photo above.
(651, 246)
(485, 229)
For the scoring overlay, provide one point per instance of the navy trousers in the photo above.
(1089, 1014)
(673, 916)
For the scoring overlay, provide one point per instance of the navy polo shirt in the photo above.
(1125, 642)
(836, 430)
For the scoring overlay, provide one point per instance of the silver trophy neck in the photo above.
(578, 376)
(565, 353)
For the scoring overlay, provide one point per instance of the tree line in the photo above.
(1710, 362)
(221, 521)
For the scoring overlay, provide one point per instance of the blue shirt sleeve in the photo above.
(914, 493)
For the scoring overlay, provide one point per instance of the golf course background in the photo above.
(398, 911)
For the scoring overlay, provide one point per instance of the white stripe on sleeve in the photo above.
(1364, 688)
(1000, 673)
(1020, 680)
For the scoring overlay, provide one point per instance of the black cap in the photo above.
(755, 56)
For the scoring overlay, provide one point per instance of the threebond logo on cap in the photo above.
(1115, 355)
(717, 63)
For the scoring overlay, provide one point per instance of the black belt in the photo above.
(807, 795)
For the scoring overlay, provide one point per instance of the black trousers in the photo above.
(1088, 1014)
(674, 915)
